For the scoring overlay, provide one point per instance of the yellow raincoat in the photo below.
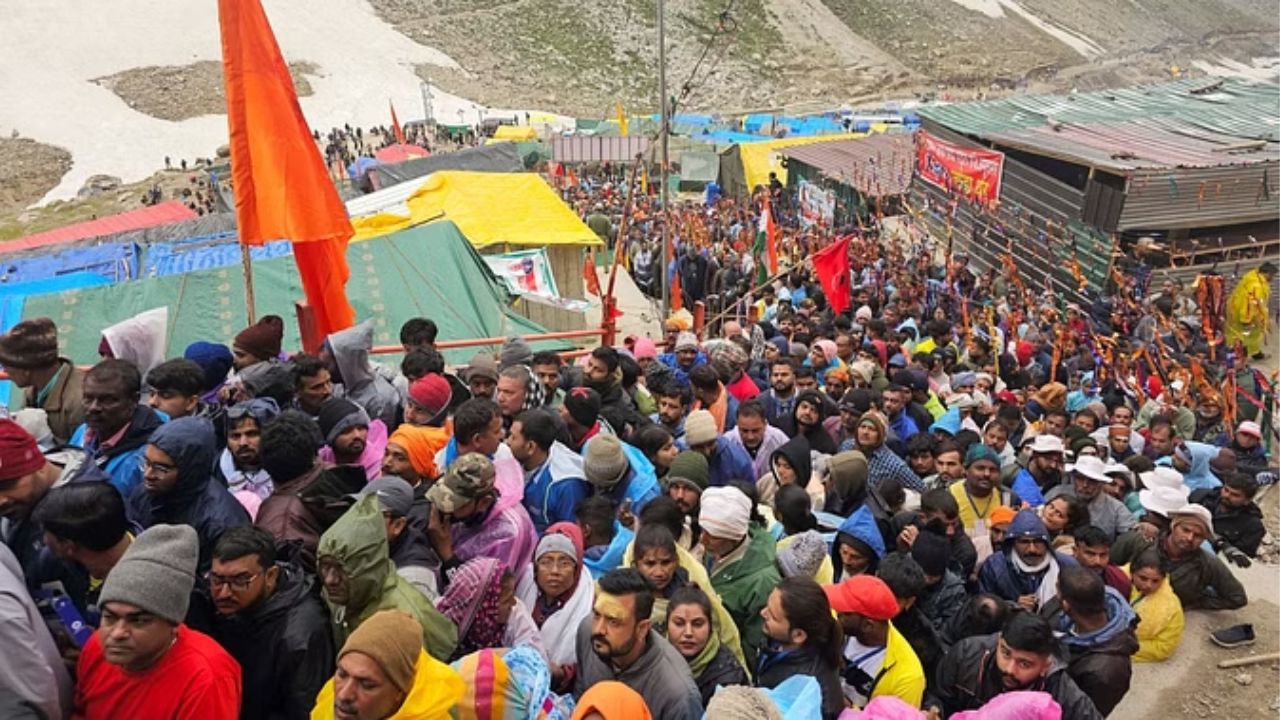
(436, 689)
(1247, 313)
(1160, 622)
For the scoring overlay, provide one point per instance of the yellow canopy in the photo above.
(760, 158)
(489, 208)
(515, 133)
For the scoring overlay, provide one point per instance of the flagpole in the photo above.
(247, 267)
(666, 119)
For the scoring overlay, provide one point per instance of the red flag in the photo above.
(282, 188)
(831, 264)
(395, 124)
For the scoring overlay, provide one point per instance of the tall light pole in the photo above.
(666, 165)
(428, 118)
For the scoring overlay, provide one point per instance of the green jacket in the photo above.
(1201, 581)
(358, 542)
(744, 588)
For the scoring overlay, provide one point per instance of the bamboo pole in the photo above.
(247, 267)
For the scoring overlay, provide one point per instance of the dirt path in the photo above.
(810, 25)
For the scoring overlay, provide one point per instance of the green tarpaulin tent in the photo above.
(430, 271)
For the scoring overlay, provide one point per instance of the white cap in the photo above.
(1115, 468)
(1196, 511)
(1046, 443)
(1249, 427)
(1091, 467)
(962, 401)
(1163, 476)
(1163, 500)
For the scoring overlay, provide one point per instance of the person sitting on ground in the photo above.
(1023, 655)
(383, 671)
(1237, 519)
(1092, 549)
(1096, 627)
(1160, 618)
(1200, 580)
(270, 619)
(143, 662)
(619, 643)
(359, 579)
(178, 488)
(802, 638)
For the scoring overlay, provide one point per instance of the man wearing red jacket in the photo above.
(143, 662)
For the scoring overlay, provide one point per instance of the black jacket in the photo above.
(724, 669)
(776, 666)
(962, 556)
(968, 678)
(284, 648)
(1102, 670)
(1241, 527)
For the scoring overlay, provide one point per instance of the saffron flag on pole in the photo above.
(623, 127)
(395, 125)
(831, 265)
(282, 188)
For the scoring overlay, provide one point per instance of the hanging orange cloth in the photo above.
(282, 188)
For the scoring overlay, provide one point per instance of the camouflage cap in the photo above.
(470, 477)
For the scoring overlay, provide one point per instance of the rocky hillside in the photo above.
(583, 57)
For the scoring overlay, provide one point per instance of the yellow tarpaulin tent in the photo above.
(761, 158)
(515, 133)
(489, 208)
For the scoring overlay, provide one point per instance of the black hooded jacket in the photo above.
(196, 499)
(284, 647)
(968, 677)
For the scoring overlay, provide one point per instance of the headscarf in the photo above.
(543, 608)
(510, 685)
(420, 443)
(613, 701)
(698, 663)
(471, 602)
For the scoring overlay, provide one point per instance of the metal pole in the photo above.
(666, 125)
(427, 119)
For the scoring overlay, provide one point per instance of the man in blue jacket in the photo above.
(116, 427)
(554, 482)
(1026, 572)
(726, 461)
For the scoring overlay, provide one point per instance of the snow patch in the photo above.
(1074, 40)
(1264, 68)
(52, 52)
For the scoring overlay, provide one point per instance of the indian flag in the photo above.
(766, 246)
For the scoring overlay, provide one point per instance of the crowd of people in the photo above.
(941, 501)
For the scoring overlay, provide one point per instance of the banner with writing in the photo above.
(972, 172)
(526, 272)
(816, 205)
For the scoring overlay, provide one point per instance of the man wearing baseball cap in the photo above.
(1199, 579)
(143, 662)
(475, 513)
(878, 659)
(1088, 476)
(1043, 471)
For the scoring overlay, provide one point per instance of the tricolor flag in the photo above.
(766, 247)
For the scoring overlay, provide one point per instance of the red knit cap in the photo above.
(19, 454)
(432, 392)
(262, 339)
(866, 595)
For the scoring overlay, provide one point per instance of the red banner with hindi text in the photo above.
(972, 172)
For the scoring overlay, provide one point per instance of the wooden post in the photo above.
(247, 267)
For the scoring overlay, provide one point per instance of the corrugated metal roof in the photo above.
(159, 214)
(583, 148)
(876, 165)
(1228, 107)
(1139, 144)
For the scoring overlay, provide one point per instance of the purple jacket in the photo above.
(507, 534)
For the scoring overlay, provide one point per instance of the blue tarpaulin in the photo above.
(115, 262)
(207, 253)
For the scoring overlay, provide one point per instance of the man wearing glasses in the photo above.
(271, 621)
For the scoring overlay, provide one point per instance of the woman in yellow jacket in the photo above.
(1159, 610)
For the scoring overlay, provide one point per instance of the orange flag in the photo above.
(282, 188)
(395, 125)
(589, 274)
